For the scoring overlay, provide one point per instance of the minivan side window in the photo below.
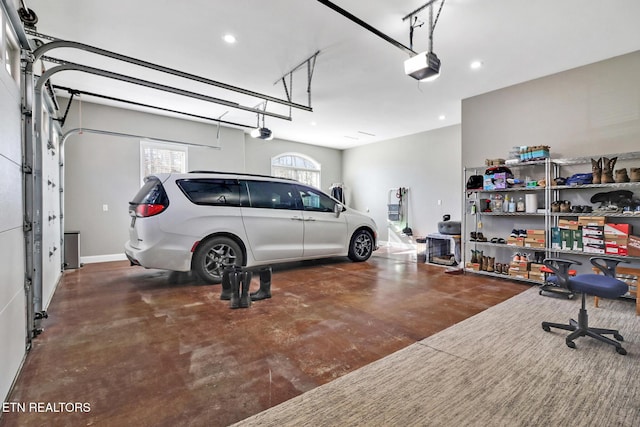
(315, 200)
(212, 192)
(273, 195)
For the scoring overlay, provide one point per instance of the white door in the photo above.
(13, 327)
(324, 232)
(273, 220)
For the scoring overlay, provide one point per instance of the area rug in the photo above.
(498, 368)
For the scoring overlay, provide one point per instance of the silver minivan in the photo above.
(202, 221)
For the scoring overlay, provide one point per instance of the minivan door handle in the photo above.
(310, 219)
(296, 218)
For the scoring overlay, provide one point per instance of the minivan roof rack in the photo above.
(241, 174)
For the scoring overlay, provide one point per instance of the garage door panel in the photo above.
(12, 271)
(12, 339)
(10, 123)
(10, 195)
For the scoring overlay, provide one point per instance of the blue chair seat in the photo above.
(595, 284)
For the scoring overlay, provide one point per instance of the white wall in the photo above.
(427, 163)
(589, 110)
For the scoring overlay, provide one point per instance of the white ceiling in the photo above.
(359, 83)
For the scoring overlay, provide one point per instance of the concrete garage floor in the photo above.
(146, 348)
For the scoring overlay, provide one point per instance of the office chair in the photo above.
(605, 286)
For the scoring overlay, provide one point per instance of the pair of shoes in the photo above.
(477, 236)
(581, 209)
(518, 233)
(498, 240)
(240, 282)
(517, 257)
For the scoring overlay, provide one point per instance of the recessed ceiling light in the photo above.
(442, 117)
(313, 123)
(476, 64)
(229, 38)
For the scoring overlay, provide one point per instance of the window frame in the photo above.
(10, 51)
(158, 145)
(317, 171)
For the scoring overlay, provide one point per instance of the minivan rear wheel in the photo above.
(361, 246)
(213, 255)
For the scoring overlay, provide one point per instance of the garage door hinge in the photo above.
(27, 56)
(27, 169)
(28, 226)
(26, 111)
(27, 284)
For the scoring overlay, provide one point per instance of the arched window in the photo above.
(296, 166)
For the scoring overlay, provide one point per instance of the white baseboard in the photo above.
(397, 245)
(102, 258)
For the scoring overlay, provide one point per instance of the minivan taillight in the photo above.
(144, 210)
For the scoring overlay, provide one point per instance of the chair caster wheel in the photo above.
(571, 344)
(621, 350)
(618, 337)
(539, 292)
(546, 328)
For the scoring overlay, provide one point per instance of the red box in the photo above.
(633, 246)
(621, 230)
(615, 249)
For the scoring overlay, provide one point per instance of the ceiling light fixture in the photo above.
(424, 66)
(229, 38)
(476, 64)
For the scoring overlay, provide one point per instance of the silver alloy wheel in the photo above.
(213, 254)
(218, 257)
(361, 246)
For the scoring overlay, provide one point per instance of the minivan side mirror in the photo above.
(337, 209)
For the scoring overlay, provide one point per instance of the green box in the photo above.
(555, 238)
(566, 239)
(576, 238)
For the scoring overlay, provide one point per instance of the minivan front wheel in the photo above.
(213, 255)
(361, 246)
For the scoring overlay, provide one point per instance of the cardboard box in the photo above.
(535, 268)
(597, 221)
(619, 241)
(519, 265)
(568, 224)
(535, 233)
(593, 249)
(537, 276)
(515, 241)
(576, 236)
(621, 230)
(596, 231)
(592, 241)
(613, 249)
(633, 246)
(533, 244)
(518, 274)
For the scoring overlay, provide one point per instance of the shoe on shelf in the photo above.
(480, 237)
(522, 233)
(514, 233)
(473, 237)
